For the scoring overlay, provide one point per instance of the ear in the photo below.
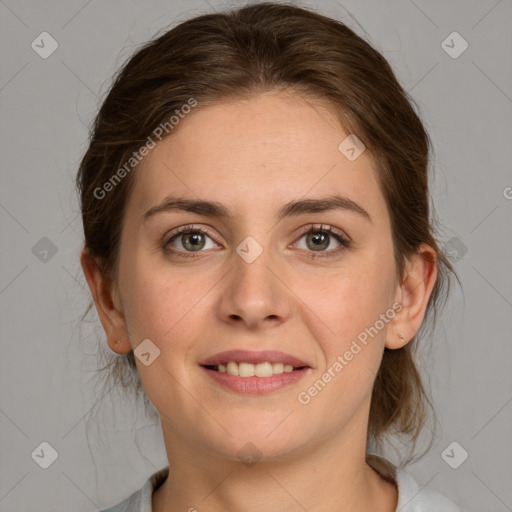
(107, 302)
(420, 275)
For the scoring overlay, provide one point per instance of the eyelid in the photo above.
(186, 229)
(325, 227)
(343, 239)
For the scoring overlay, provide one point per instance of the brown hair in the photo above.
(258, 48)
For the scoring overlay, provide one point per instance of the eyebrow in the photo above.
(291, 209)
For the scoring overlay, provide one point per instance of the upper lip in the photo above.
(249, 356)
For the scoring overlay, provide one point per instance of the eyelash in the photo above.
(317, 228)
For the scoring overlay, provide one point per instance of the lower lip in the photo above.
(256, 385)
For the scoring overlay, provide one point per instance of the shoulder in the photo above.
(140, 501)
(414, 498)
(130, 504)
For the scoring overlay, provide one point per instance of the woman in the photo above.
(259, 248)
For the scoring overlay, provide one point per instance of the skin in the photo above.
(235, 152)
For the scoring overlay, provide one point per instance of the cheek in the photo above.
(168, 305)
(164, 308)
(351, 301)
(352, 333)
(158, 306)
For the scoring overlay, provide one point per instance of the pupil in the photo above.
(319, 240)
(194, 241)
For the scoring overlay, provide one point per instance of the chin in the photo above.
(253, 443)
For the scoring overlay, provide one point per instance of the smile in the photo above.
(255, 379)
(242, 369)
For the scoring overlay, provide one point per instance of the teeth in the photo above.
(232, 368)
(277, 368)
(264, 369)
(246, 370)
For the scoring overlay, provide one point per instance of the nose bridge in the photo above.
(253, 290)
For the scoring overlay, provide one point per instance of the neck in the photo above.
(332, 476)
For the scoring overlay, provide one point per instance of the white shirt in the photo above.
(411, 496)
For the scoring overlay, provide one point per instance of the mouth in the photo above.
(264, 369)
(256, 373)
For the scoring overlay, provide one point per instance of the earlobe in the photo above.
(103, 293)
(414, 292)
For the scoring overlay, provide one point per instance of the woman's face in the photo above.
(253, 281)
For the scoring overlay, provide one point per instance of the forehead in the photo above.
(245, 152)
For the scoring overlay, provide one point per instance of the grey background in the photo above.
(47, 361)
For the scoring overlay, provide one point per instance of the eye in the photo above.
(318, 238)
(190, 238)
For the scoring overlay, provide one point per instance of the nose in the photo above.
(254, 291)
